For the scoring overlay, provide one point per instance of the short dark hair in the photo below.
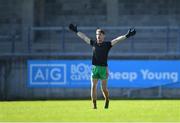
(100, 30)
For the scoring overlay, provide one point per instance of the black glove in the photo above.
(130, 33)
(73, 28)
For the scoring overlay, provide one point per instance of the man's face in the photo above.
(99, 37)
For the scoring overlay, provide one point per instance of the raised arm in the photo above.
(123, 37)
(80, 34)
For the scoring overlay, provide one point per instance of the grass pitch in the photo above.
(81, 111)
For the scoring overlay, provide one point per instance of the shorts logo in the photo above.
(50, 74)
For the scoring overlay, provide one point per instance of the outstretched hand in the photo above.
(73, 28)
(131, 32)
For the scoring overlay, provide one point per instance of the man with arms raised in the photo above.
(99, 60)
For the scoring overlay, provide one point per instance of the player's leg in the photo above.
(94, 81)
(104, 77)
(94, 92)
(105, 92)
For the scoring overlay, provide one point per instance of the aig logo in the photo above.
(46, 73)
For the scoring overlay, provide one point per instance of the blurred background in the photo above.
(38, 29)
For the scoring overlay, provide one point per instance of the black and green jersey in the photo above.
(100, 52)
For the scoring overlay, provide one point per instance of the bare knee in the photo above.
(94, 84)
(104, 86)
(104, 89)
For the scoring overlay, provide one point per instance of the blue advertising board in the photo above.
(122, 73)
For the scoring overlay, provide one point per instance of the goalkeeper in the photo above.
(99, 60)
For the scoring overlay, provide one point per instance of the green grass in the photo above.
(79, 111)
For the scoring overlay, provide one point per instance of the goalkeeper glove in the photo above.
(130, 33)
(73, 28)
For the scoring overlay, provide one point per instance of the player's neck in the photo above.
(99, 42)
